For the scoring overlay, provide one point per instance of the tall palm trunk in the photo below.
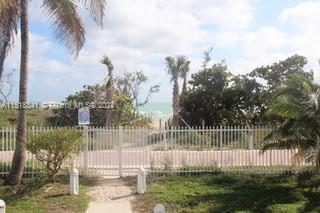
(109, 96)
(184, 85)
(175, 103)
(19, 156)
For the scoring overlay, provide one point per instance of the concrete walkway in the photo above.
(111, 195)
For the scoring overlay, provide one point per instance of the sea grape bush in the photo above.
(54, 147)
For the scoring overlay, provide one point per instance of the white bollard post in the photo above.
(74, 182)
(159, 208)
(2, 206)
(142, 181)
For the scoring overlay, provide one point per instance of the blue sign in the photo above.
(84, 116)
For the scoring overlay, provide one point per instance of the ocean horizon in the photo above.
(158, 110)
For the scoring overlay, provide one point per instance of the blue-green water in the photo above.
(158, 110)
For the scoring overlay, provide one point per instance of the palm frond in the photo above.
(291, 134)
(8, 28)
(66, 22)
(181, 60)
(8, 8)
(286, 91)
(287, 109)
(96, 9)
(185, 68)
(298, 157)
(177, 67)
(297, 101)
(288, 143)
(316, 155)
(171, 67)
(107, 61)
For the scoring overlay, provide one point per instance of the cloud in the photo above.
(139, 34)
(298, 34)
(227, 14)
(305, 17)
(306, 12)
(261, 47)
(39, 60)
(153, 29)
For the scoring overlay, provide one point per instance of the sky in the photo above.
(139, 34)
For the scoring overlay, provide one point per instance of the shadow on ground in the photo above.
(235, 193)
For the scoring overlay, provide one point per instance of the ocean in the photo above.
(161, 110)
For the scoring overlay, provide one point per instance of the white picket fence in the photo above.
(122, 151)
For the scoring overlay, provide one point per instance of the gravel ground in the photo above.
(110, 190)
(112, 196)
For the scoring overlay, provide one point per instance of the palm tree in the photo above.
(184, 72)
(8, 28)
(176, 67)
(297, 104)
(109, 87)
(69, 30)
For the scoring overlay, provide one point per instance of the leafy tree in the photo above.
(94, 98)
(131, 85)
(68, 28)
(296, 103)
(217, 97)
(68, 115)
(277, 73)
(206, 57)
(248, 98)
(175, 67)
(206, 98)
(123, 110)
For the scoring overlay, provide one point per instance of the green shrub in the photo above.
(54, 147)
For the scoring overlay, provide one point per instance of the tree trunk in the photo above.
(109, 97)
(19, 156)
(184, 86)
(175, 103)
(136, 110)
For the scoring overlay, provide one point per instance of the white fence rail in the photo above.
(7, 146)
(122, 151)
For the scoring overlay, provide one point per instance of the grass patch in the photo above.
(41, 197)
(229, 193)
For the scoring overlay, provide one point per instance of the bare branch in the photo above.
(6, 87)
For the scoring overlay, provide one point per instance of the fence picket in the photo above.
(122, 150)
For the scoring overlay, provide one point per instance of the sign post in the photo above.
(83, 116)
(83, 121)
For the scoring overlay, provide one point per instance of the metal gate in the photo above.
(113, 151)
(122, 151)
